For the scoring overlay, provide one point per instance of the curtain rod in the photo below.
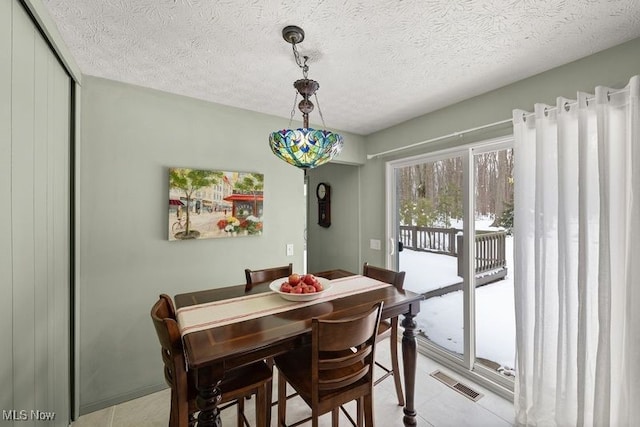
(567, 105)
(500, 122)
(451, 135)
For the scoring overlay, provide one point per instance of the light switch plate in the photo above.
(289, 249)
(374, 244)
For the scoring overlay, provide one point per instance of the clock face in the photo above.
(321, 191)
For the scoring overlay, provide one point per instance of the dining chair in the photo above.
(262, 278)
(266, 275)
(335, 369)
(388, 328)
(236, 385)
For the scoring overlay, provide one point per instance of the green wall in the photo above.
(130, 137)
(612, 67)
(338, 245)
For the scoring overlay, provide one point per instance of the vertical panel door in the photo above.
(34, 225)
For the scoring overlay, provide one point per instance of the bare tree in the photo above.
(437, 187)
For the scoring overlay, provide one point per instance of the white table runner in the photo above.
(218, 313)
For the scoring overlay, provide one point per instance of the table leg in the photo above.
(209, 396)
(409, 359)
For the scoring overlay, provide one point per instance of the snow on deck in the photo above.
(441, 318)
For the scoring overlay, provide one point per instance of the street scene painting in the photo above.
(207, 204)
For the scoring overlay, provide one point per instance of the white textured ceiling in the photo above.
(378, 62)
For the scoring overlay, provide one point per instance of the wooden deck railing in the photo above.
(490, 253)
(490, 249)
(429, 239)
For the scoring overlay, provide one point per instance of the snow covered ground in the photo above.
(441, 318)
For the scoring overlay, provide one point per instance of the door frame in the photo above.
(465, 366)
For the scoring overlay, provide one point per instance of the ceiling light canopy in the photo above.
(304, 147)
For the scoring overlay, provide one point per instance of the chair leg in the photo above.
(368, 411)
(174, 413)
(394, 364)
(269, 391)
(335, 417)
(171, 417)
(240, 412)
(180, 416)
(263, 409)
(359, 409)
(282, 400)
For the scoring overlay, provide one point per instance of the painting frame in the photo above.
(212, 204)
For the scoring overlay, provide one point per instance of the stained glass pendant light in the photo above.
(305, 147)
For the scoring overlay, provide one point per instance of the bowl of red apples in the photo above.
(300, 287)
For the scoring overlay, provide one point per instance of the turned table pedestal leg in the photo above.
(209, 396)
(409, 359)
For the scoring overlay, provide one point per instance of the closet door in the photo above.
(34, 225)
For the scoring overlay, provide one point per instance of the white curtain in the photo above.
(577, 260)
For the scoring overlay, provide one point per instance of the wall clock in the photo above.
(323, 193)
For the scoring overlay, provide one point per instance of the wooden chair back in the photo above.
(342, 358)
(164, 321)
(266, 275)
(389, 328)
(237, 384)
(395, 278)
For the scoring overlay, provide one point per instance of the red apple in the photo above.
(309, 279)
(285, 287)
(294, 279)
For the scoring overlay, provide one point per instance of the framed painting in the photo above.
(208, 204)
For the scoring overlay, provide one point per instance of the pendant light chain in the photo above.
(304, 66)
(315, 96)
(293, 109)
(305, 72)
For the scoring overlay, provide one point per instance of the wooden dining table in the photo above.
(211, 351)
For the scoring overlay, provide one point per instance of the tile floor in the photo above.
(436, 405)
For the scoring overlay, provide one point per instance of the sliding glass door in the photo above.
(429, 205)
(434, 202)
(493, 260)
